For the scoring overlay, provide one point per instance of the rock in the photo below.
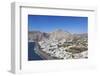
(81, 55)
(60, 34)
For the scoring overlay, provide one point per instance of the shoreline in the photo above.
(42, 54)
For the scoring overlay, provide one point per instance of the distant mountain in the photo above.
(83, 35)
(37, 35)
(57, 35)
(60, 34)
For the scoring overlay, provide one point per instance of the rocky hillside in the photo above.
(60, 44)
(37, 36)
(60, 34)
(55, 35)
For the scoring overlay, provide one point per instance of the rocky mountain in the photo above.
(83, 35)
(60, 34)
(37, 35)
(57, 35)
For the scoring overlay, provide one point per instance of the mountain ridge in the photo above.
(58, 34)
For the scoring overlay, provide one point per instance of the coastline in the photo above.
(42, 54)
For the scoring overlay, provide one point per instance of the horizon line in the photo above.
(58, 29)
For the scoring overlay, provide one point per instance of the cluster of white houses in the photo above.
(57, 49)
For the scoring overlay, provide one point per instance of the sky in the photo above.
(47, 23)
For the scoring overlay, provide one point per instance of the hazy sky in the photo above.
(46, 23)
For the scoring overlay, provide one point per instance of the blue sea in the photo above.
(31, 54)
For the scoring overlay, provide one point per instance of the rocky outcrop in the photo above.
(37, 36)
(57, 34)
(60, 34)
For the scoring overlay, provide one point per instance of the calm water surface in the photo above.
(31, 54)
